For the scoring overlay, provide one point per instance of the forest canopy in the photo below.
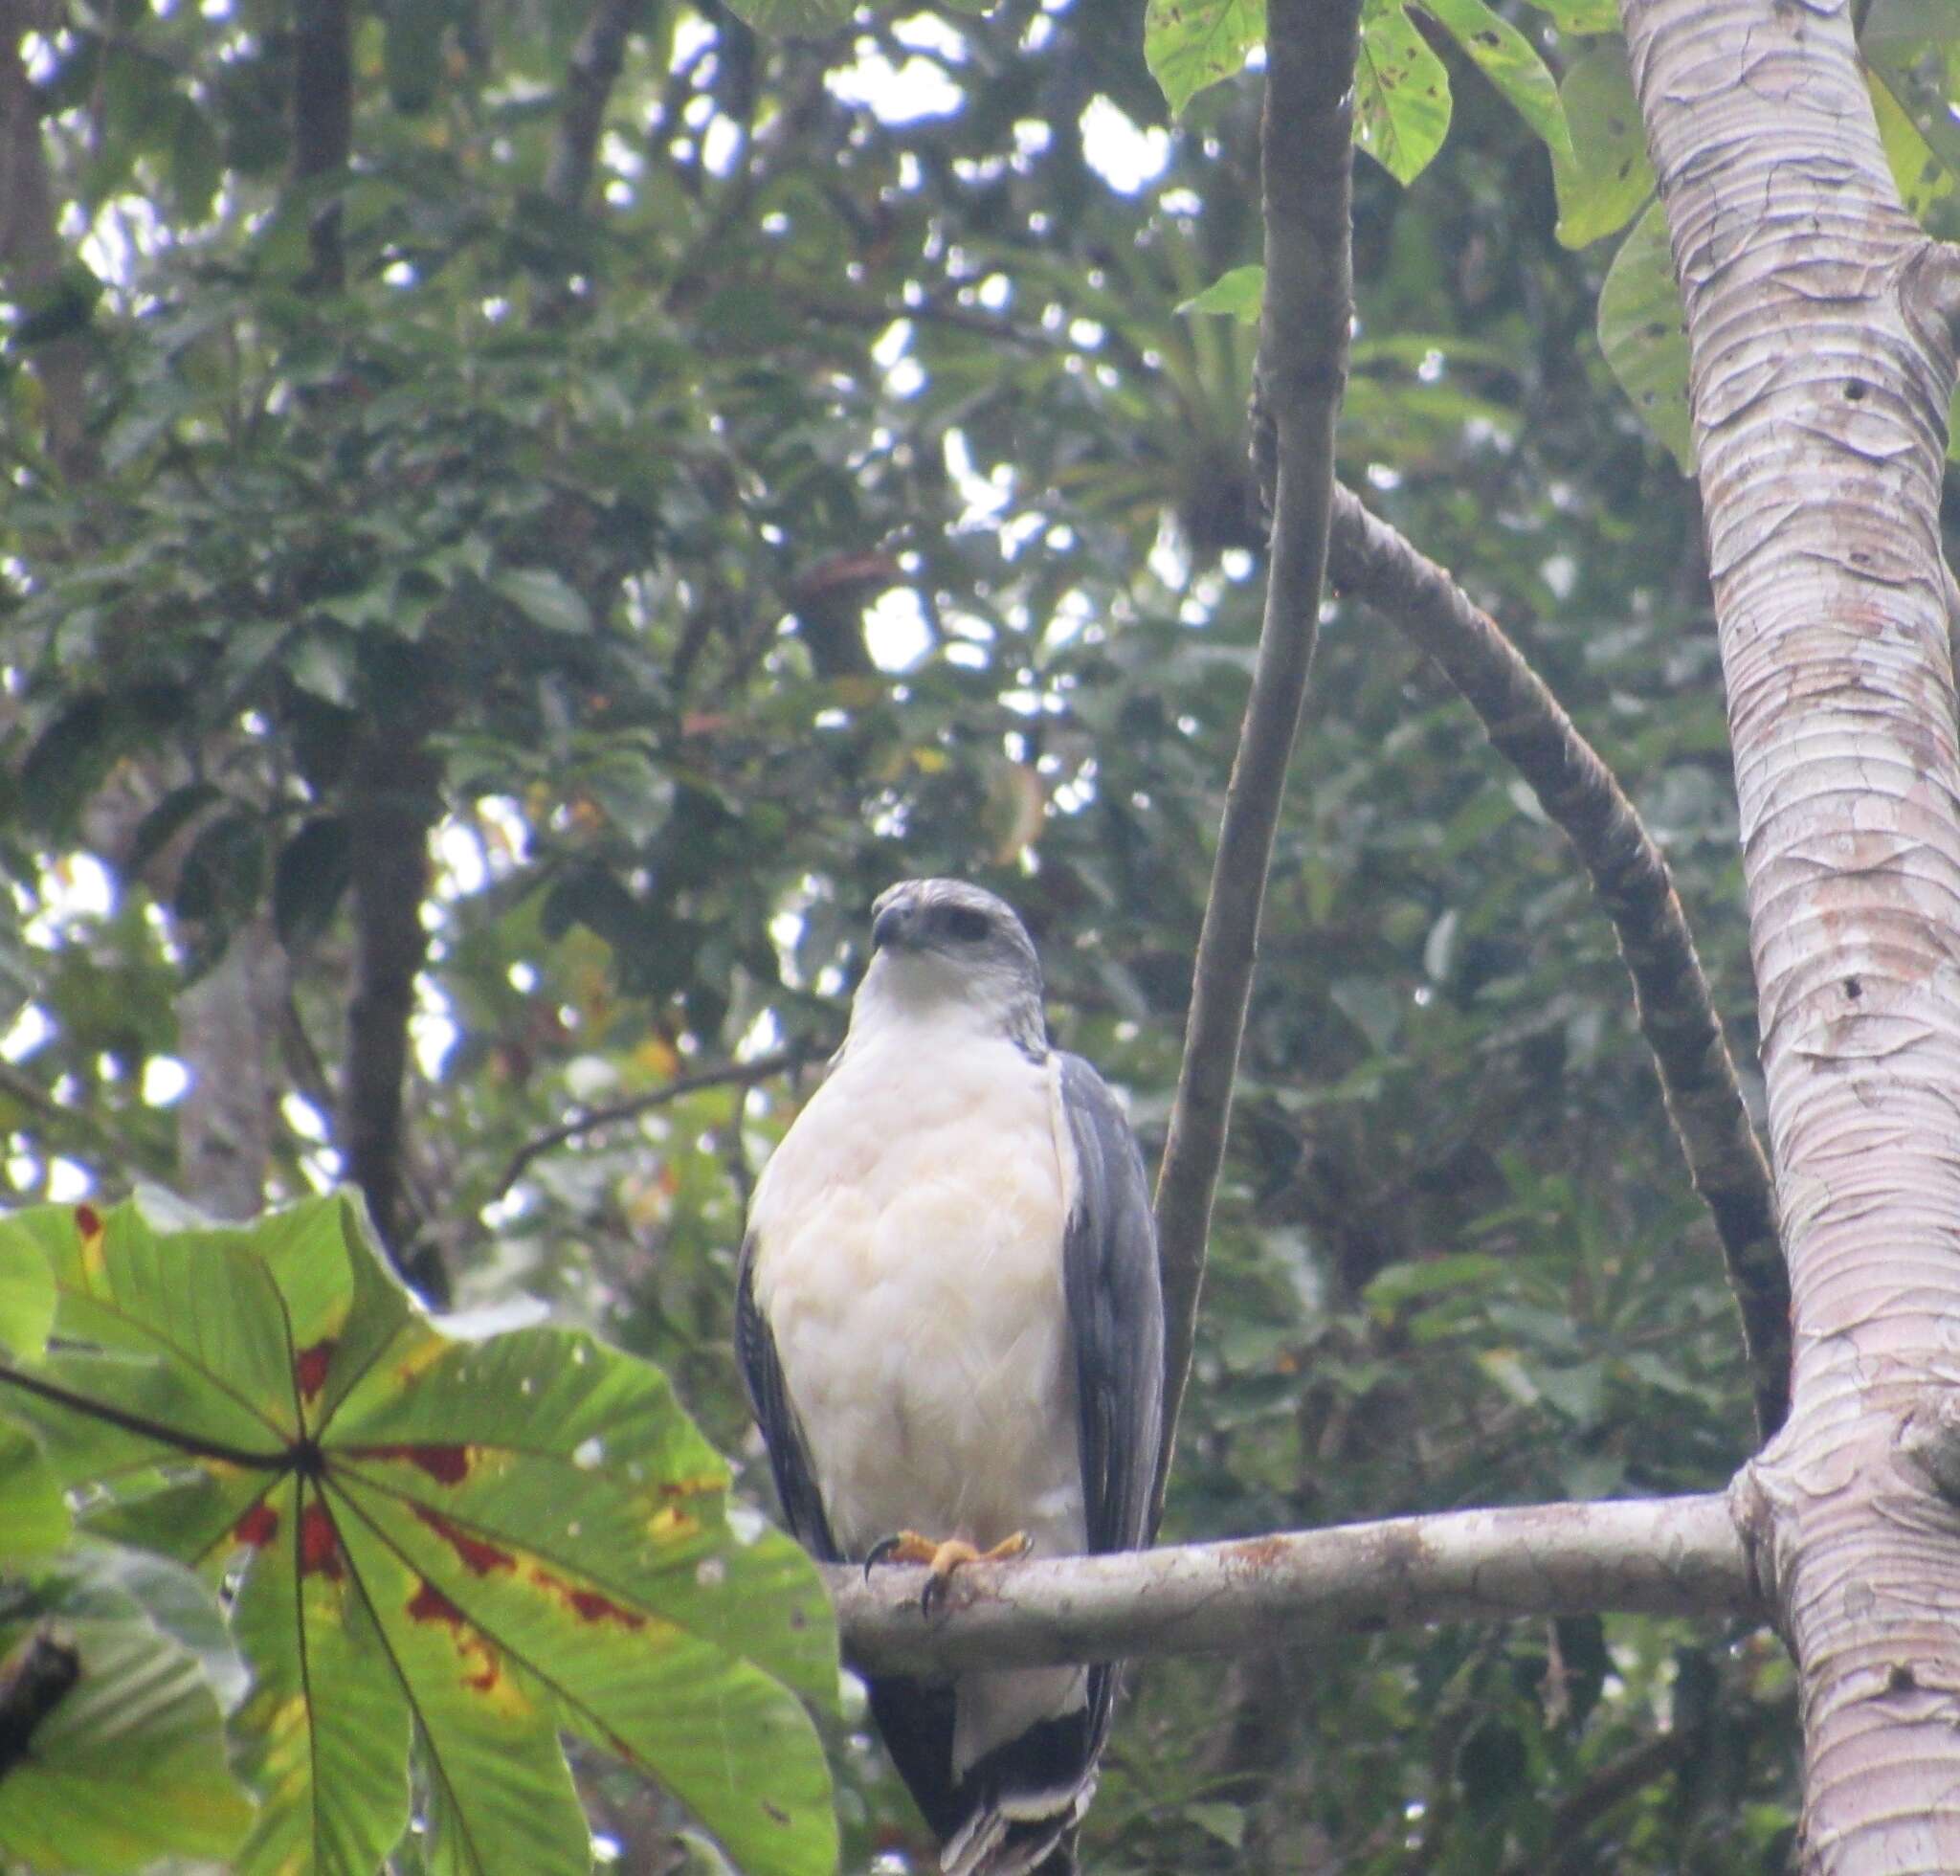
(523, 519)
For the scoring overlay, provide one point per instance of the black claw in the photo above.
(933, 1594)
(879, 1553)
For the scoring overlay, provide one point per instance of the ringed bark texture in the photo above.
(1818, 388)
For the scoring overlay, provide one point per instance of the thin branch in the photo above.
(1677, 1013)
(1306, 152)
(594, 69)
(1655, 1556)
(728, 1074)
(1610, 1787)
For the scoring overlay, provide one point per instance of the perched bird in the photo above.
(950, 1322)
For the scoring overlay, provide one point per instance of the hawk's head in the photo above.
(946, 947)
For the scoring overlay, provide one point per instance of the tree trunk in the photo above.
(1819, 327)
(225, 1121)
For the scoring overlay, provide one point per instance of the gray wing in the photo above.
(782, 1433)
(1116, 1314)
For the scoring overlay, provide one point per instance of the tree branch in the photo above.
(391, 807)
(1610, 1787)
(1307, 153)
(1657, 1556)
(323, 120)
(594, 69)
(728, 1074)
(1677, 1013)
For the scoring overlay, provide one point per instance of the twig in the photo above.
(1306, 154)
(1678, 1556)
(1677, 1014)
(728, 1074)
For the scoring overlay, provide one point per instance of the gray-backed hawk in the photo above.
(949, 1321)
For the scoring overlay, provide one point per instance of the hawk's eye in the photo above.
(965, 925)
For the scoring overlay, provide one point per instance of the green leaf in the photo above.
(1403, 1282)
(1891, 21)
(109, 1582)
(33, 1514)
(543, 598)
(1401, 96)
(129, 1764)
(411, 51)
(168, 818)
(310, 879)
(27, 1296)
(478, 1544)
(1190, 44)
(1604, 181)
(1912, 49)
(1239, 293)
(1509, 62)
(325, 1731)
(1641, 334)
(1582, 16)
(223, 870)
(1224, 1821)
(794, 15)
(1925, 181)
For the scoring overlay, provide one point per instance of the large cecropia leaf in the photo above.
(462, 1545)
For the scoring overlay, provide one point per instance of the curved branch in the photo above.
(1307, 155)
(1698, 1080)
(729, 1074)
(1657, 1556)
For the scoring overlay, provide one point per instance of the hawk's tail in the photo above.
(1008, 1842)
(1016, 1811)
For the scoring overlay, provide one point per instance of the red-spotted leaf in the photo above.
(459, 1548)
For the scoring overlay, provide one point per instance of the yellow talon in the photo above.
(941, 1559)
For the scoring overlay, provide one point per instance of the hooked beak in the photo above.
(894, 925)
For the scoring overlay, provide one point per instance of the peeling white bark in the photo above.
(1821, 361)
(1675, 1556)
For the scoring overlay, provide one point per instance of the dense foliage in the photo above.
(828, 488)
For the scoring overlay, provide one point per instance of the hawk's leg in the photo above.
(941, 1559)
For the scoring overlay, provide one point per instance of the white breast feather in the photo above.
(908, 1261)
